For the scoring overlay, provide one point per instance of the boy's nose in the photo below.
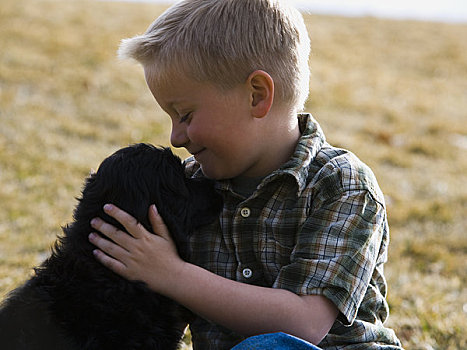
(178, 137)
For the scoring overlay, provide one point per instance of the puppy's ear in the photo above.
(206, 203)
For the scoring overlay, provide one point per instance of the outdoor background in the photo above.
(394, 92)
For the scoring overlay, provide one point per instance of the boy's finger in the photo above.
(109, 247)
(116, 266)
(110, 231)
(157, 223)
(132, 225)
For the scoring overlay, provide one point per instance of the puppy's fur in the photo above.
(73, 302)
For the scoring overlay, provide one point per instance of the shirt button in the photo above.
(245, 212)
(247, 273)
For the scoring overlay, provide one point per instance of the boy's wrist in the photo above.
(189, 285)
(174, 280)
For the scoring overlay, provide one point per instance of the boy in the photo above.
(300, 245)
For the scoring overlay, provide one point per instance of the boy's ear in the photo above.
(261, 87)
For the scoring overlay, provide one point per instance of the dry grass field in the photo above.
(394, 92)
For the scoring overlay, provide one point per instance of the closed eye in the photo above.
(185, 118)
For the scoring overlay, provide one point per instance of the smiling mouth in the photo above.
(194, 154)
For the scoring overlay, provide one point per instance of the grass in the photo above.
(394, 92)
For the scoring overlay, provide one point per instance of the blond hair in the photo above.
(224, 41)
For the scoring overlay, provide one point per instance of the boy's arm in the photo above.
(243, 308)
(250, 310)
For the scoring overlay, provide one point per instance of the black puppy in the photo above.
(73, 302)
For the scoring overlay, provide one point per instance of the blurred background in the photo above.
(392, 89)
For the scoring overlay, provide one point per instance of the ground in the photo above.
(393, 92)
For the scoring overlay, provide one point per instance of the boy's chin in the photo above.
(214, 173)
(210, 174)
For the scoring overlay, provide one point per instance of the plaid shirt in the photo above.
(315, 226)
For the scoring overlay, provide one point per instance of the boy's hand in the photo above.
(139, 255)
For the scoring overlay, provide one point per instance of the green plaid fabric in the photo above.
(316, 226)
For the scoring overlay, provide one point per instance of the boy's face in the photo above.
(215, 126)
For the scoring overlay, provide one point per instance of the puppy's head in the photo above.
(137, 176)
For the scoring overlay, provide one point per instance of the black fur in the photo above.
(73, 302)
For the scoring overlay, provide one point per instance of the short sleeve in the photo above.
(338, 245)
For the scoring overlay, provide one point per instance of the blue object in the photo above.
(274, 341)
